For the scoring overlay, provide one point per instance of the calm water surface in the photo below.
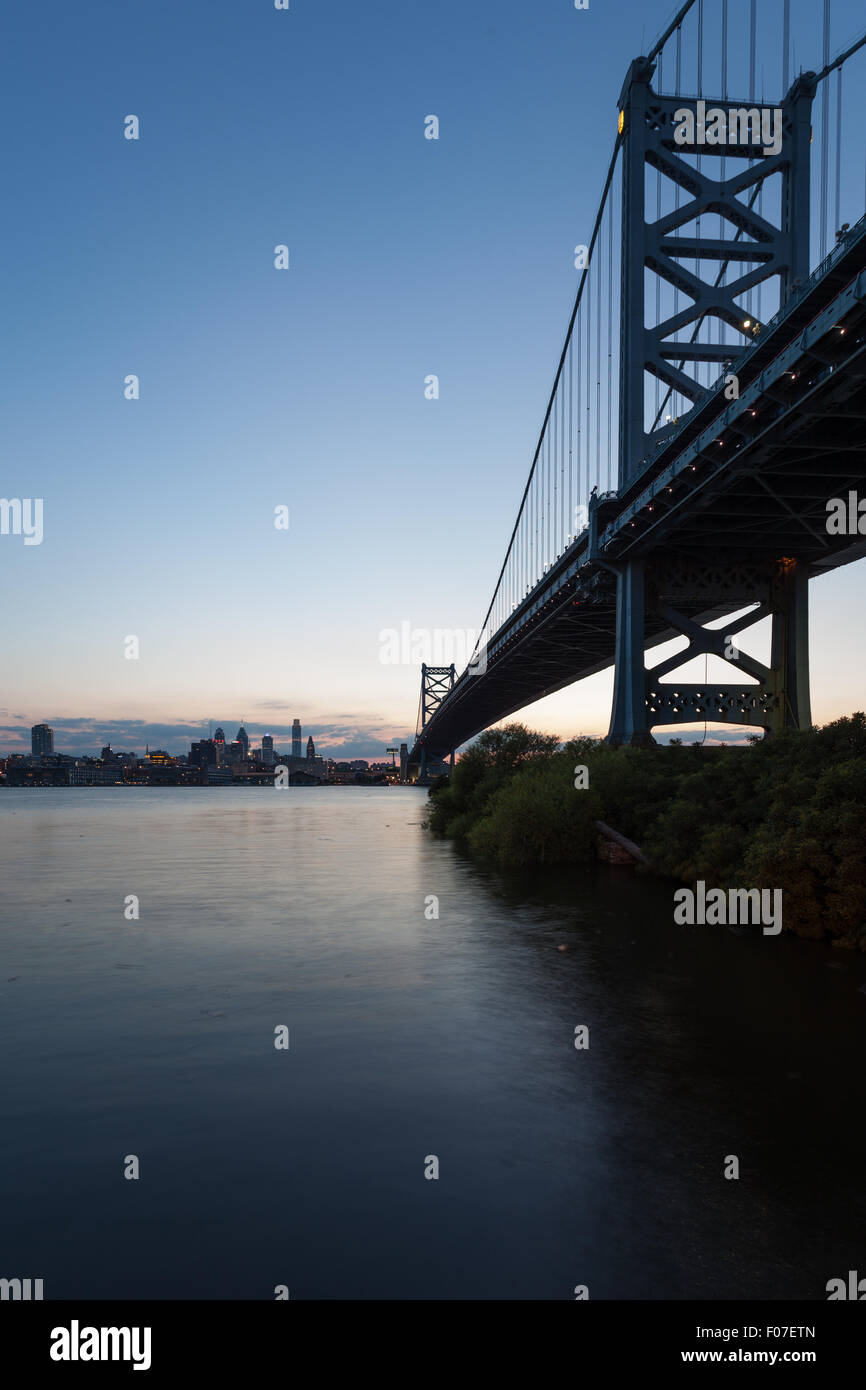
(409, 1037)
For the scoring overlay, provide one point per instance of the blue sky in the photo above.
(304, 388)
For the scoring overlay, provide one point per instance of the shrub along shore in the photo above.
(787, 812)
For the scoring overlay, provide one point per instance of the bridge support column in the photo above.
(789, 659)
(779, 697)
(630, 719)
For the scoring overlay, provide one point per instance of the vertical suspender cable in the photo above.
(527, 545)
(534, 500)
(561, 513)
(753, 25)
(570, 424)
(541, 506)
(546, 548)
(677, 187)
(521, 559)
(537, 508)
(562, 527)
(579, 420)
(658, 219)
(542, 489)
(700, 46)
(588, 379)
(583, 387)
(563, 530)
(551, 483)
(825, 132)
(562, 403)
(699, 160)
(723, 327)
(554, 481)
(598, 365)
(545, 558)
(839, 148)
(786, 48)
(609, 345)
(551, 487)
(524, 580)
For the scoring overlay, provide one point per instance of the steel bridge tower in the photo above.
(436, 683)
(650, 124)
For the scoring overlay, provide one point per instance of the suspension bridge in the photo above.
(708, 403)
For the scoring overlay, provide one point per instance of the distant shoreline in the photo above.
(200, 786)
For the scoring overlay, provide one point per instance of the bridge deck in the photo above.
(748, 479)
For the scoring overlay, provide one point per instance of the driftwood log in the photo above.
(611, 840)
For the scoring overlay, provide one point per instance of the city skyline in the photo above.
(90, 742)
(213, 761)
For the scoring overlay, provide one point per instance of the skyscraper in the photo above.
(311, 749)
(267, 750)
(242, 737)
(41, 741)
(296, 739)
(203, 753)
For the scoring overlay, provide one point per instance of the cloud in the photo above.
(714, 736)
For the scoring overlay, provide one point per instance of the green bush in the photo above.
(538, 818)
(787, 812)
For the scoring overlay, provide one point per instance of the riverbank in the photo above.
(786, 813)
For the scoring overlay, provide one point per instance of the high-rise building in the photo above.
(242, 737)
(41, 741)
(203, 753)
(267, 750)
(219, 743)
(311, 749)
(296, 738)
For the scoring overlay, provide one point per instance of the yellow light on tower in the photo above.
(620, 125)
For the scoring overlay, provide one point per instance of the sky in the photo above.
(302, 388)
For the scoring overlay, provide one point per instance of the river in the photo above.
(411, 1037)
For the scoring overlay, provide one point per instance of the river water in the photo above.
(410, 1038)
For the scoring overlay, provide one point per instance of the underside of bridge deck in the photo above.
(719, 524)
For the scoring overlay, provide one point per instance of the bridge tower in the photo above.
(653, 131)
(436, 683)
